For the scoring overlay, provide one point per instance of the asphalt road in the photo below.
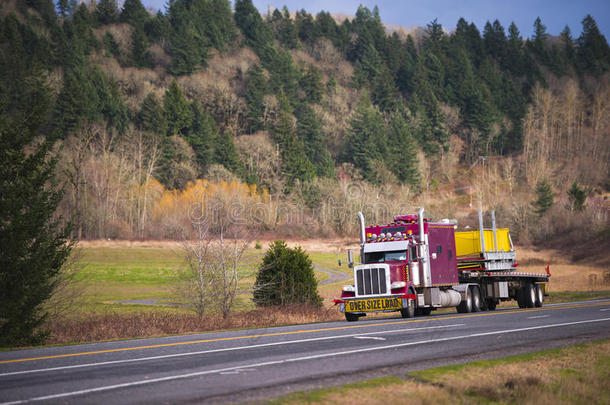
(247, 365)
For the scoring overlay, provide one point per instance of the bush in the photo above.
(286, 277)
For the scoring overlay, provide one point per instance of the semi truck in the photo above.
(414, 266)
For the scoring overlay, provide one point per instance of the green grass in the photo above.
(111, 274)
(568, 296)
(129, 265)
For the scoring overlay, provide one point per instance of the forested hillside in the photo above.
(290, 123)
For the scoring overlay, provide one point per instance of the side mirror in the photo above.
(350, 258)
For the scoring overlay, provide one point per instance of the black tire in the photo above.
(539, 296)
(476, 299)
(491, 304)
(530, 296)
(466, 305)
(350, 317)
(409, 311)
(521, 297)
(423, 311)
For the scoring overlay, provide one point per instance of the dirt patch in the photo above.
(309, 245)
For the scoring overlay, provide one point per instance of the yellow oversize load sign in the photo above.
(373, 304)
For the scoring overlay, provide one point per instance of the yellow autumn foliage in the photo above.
(202, 199)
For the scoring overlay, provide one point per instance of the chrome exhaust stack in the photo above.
(362, 236)
(424, 256)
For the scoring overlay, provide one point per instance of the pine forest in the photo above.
(290, 123)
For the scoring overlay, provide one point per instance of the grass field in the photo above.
(110, 274)
(115, 272)
(572, 375)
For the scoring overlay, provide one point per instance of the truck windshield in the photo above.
(381, 257)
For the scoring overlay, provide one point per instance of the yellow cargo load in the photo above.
(468, 243)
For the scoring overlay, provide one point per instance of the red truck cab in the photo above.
(396, 260)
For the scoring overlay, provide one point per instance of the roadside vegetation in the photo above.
(113, 274)
(572, 375)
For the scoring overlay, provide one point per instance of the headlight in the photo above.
(349, 288)
(396, 284)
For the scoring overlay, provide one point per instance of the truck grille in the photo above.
(371, 281)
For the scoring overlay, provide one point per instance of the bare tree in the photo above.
(217, 259)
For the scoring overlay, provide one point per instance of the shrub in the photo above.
(286, 277)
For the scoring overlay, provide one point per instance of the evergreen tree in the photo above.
(286, 277)
(151, 116)
(538, 44)
(78, 100)
(202, 136)
(66, 7)
(111, 104)
(366, 139)
(514, 53)
(305, 27)
(226, 154)
(295, 163)
(311, 84)
(367, 65)
(593, 50)
(384, 91)
(434, 35)
(284, 76)
(569, 50)
(176, 109)
(287, 33)
(34, 245)
(134, 13)
(310, 132)
(494, 40)
(158, 29)
(406, 69)
(255, 91)
(247, 18)
(577, 197)
(140, 56)
(112, 46)
(188, 48)
(107, 12)
(402, 155)
(430, 132)
(545, 197)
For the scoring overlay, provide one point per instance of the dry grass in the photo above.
(330, 245)
(565, 274)
(574, 375)
(109, 326)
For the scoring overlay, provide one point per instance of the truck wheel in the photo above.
(351, 317)
(539, 295)
(424, 311)
(409, 311)
(491, 304)
(476, 299)
(530, 295)
(466, 305)
(522, 297)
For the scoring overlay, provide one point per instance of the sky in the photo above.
(555, 14)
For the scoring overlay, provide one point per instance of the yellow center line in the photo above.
(191, 342)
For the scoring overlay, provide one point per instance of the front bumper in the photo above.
(361, 305)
